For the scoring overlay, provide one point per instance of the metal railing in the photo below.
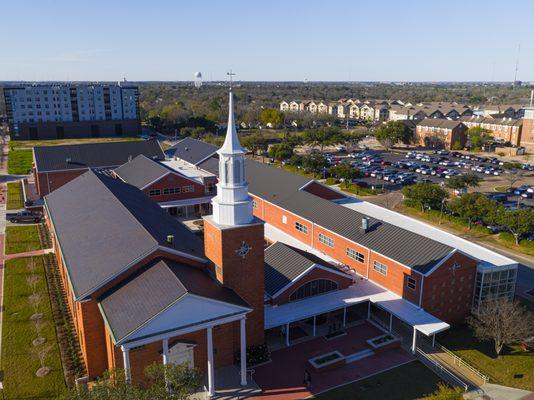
(460, 362)
(440, 370)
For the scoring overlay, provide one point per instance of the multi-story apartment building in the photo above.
(65, 110)
(439, 133)
(503, 129)
(527, 133)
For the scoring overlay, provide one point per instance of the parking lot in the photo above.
(392, 171)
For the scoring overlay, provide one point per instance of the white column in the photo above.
(390, 322)
(243, 338)
(287, 334)
(314, 326)
(165, 344)
(369, 310)
(211, 370)
(126, 363)
(344, 316)
(433, 340)
(414, 342)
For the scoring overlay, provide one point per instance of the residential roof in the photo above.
(142, 171)
(282, 188)
(439, 123)
(104, 225)
(284, 263)
(155, 288)
(93, 155)
(191, 150)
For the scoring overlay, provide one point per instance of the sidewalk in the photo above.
(34, 253)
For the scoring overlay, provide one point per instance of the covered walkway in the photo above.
(362, 291)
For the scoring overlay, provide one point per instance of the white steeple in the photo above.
(232, 205)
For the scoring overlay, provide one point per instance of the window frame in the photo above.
(301, 227)
(357, 256)
(409, 281)
(326, 240)
(381, 268)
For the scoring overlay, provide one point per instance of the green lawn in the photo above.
(20, 239)
(515, 368)
(19, 162)
(14, 196)
(409, 381)
(19, 363)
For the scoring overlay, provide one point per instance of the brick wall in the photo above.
(245, 275)
(49, 181)
(448, 292)
(173, 181)
(527, 134)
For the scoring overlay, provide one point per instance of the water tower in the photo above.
(198, 79)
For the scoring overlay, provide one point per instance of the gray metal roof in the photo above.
(141, 171)
(104, 225)
(439, 123)
(152, 290)
(93, 155)
(191, 150)
(284, 263)
(281, 187)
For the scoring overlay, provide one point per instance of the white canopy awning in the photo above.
(360, 292)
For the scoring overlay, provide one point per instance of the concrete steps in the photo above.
(359, 355)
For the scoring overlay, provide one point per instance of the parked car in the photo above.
(23, 216)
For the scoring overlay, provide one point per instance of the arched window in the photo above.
(313, 288)
(237, 171)
(226, 171)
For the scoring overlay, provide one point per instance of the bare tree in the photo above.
(32, 265)
(35, 301)
(503, 321)
(513, 173)
(39, 325)
(32, 281)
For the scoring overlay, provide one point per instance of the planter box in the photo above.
(327, 361)
(384, 342)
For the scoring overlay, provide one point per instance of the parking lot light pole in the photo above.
(441, 211)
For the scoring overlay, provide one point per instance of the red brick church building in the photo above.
(143, 288)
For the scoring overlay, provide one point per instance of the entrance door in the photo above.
(182, 353)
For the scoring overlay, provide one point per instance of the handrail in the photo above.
(462, 362)
(441, 370)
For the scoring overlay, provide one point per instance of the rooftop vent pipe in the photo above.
(170, 239)
(365, 224)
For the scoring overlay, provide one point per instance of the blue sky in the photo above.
(402, 40)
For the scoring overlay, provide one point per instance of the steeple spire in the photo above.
(231, 142)
(232, 206)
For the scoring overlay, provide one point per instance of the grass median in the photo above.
(20, 239)
(14, 196)
(20, 356)
(19, 162)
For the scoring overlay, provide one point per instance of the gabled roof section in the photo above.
(153, 290)
(191, 150)
(104, 226)
(93, 155)
(284, 264)
(439, 123)
(141, 171)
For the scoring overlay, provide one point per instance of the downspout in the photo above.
(421, 291)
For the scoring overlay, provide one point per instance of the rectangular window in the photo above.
(411, 283)
(254, 204)
(154, 192)
(284, 219)
(188, 188)
(326, 240)
(301, 228)
(356, 255)
(379, 267)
